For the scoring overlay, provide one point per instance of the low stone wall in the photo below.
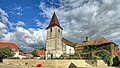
(47, 63)
(101, 63)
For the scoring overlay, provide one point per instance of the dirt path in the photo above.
(7, 66)
(13, 66)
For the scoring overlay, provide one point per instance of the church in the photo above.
(56, 45)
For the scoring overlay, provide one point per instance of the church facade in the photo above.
(56, 45)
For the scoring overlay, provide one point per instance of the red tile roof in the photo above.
(67, 42)
(11, 45)
(21, 53)
(40, 52)
(97, 41)
(54, 22)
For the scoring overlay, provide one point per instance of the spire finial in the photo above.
(54, 12)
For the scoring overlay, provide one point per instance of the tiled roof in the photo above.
(54, 22)
(40, 52)
(11, 45)
(69, 43)
(21, 53)
(97, 41)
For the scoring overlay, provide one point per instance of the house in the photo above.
(25, 56)
(101, 43)
(12, 46)
(56, 45)
(41, 53)
(22, 55)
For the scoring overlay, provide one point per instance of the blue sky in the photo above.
(27, 18)
(24, 21)
(27, 11)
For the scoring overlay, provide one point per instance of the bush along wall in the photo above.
(96, 52)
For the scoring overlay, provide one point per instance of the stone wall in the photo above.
(101, 63)
(47, 63)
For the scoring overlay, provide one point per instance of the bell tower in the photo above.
(54, 36)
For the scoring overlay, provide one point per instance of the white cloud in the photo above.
(24, 38)
(79, 18)
(3, 13)
(11, 25)
(2, 26)
(20, 23)
(2, 30)
(17, 9)
(4, 19)
(20, 14)
(92, 18)
(108, 1)
(41, 24)
(33, 38)
(3, 16)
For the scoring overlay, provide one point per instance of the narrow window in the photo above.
(70, 51)
(51, 30)
(59, 30)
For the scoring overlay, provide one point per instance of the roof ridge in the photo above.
(7, 42)
(105, 39)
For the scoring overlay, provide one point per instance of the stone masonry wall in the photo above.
(47, 63)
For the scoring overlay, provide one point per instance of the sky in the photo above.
(23, 22)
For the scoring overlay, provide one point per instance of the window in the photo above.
(51, 30)
(13, 49)
(69, 50)
(59, 30)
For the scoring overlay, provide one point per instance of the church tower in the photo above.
(54, 36)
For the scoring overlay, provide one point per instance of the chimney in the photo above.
(87, 39)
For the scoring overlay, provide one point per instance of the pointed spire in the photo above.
(54, 22)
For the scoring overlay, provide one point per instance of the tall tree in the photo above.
(6, 52)
(34, 53)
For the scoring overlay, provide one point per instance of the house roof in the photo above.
(67, 42)
(97, 41)
(11, 45)
(54, 22)
(40, 52)
(21, 53)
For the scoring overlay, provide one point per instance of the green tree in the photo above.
(34, 53)
(6, 52)
(76, 55)
(119, 55)
(112, 55)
